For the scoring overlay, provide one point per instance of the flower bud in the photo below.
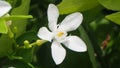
(26, 42)
(40, 42)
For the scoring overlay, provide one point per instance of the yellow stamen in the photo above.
(60, 34)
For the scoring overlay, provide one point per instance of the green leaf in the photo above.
(111, 4)
(3, 26)
(90, 49)
(5, 41)
(5, 45)
(17, 17)
(23, 9)
(26, 54)
(30, 36)
(69, 6)
(93, 14)
(115, 17)
(18, 64)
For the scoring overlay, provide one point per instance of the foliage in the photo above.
(99, 30)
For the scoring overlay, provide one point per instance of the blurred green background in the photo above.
(100, 30)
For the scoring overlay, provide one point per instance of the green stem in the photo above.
(86, 38)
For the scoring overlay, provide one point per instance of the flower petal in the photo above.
(4, 7)
(45, 34)
(53, 15)
(71, 22)
(75, 43)
(58, 52)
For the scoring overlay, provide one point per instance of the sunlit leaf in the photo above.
(5, 41)
(69, 6)
(3, 26)
(23, 9)
(111, 4)
(17, 17)
(115, 17)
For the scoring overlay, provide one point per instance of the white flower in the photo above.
(11, 67)
(4, 7)
(59, 34)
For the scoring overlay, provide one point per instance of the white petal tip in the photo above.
(71, 22)
(83, 49)
(58, 53)
(44, 34)
(51, 5)
(75, 43)
(4, 7)
(57, 63)
(53, 15)
(79, 15)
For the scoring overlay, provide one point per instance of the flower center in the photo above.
(60, 34)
